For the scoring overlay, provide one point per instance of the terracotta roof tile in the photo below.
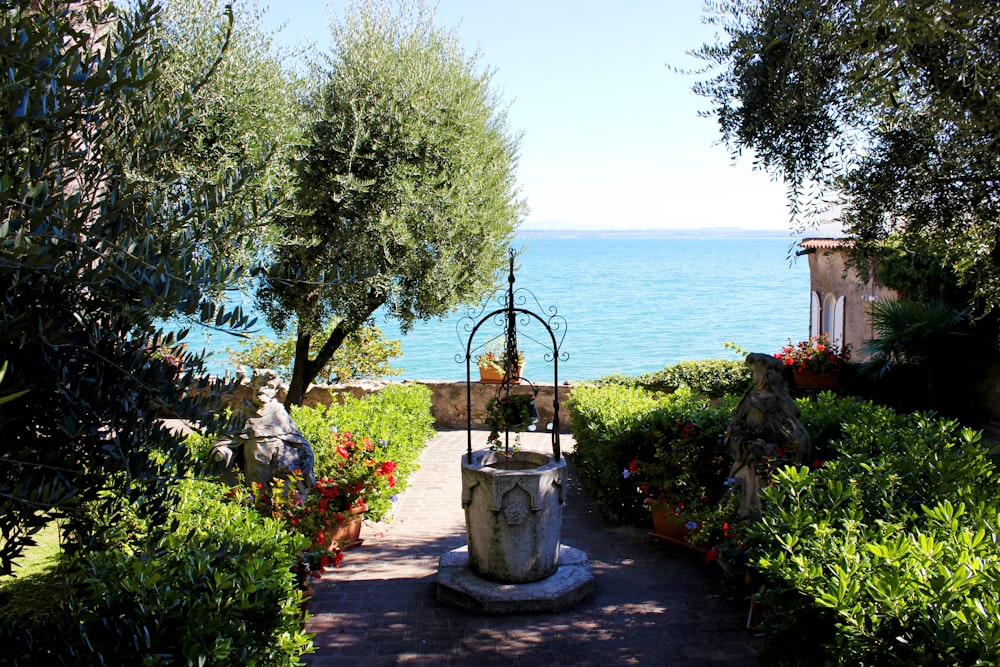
(825, 243)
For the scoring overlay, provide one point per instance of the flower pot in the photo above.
(670, 527)
(347, 534)
(807, 379)
(490, 375)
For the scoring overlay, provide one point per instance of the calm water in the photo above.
(632, 305)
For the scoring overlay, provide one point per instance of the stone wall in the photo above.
(451, 399)
(448, 403)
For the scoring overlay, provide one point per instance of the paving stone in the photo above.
(653, 604)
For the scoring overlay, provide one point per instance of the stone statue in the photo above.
(765, 426)
(270, 446)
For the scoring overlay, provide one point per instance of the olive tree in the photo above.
(882, 114)
(89, 260)
(241, 97)
(405, 186)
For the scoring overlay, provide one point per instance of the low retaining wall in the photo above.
(448, 404)
(451, 398)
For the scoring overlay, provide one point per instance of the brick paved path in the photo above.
(654, 604)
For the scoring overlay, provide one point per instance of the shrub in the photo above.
(607, 422)
(824, 416)
(397, 420)
(218, 589)
(891, 546)
(632, 443)
(625, 446)
(712, 377)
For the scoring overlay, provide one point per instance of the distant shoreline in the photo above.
(706, 232)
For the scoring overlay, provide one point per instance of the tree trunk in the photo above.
(304, 370)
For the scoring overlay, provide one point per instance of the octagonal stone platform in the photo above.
(457, 585)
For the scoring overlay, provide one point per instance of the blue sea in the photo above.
(631, 305)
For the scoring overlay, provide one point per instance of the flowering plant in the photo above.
(357, 470)
(497, 360)
(688, 476)
(816, 354)
(313, 516)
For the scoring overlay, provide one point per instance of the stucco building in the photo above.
(839, 298)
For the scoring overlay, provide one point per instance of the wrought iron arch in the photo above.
(512, 302)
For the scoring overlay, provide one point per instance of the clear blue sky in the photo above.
(612, 137)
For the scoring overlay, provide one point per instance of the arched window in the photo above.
(826, 316)
(829, 315)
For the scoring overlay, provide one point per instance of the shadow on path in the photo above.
(654, 604)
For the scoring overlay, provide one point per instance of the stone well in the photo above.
(513, 514)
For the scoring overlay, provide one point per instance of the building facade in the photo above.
(839, 297)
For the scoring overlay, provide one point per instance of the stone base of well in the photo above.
(457, 585)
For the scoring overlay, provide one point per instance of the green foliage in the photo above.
(88, 263)
(909, 331)
(396, 419)
(607, 422)
(406, 186)
(217, 589)
(886, 554)
(824, 417)
(671, 446)
(364, 355)
(244, 116)
(198, 445)
(929, 354)
(886, 109)
(712, 377)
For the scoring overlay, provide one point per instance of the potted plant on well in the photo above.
(492, 365)
(510, 413)
(816, 362)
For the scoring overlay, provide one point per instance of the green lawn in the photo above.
(37, 559)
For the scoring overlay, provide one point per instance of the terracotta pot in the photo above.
(347, 535)
(669, 527)
(490, 375)
(806, 379)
